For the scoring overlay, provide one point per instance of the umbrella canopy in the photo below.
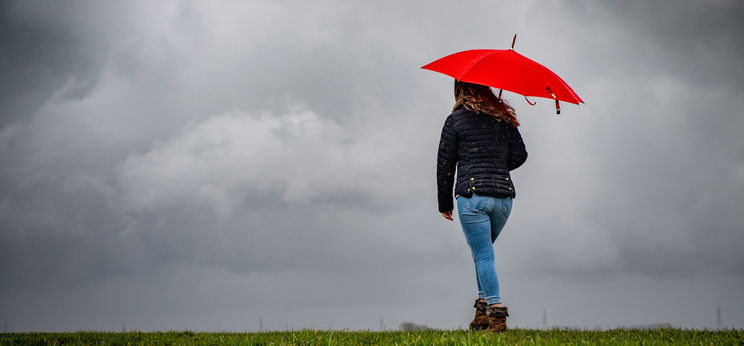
(505, 69)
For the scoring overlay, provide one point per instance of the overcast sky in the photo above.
(202, 165)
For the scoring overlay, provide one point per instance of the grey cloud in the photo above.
(701, 42)
(47, 45)
(197, 166)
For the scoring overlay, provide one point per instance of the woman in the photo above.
(481, 139)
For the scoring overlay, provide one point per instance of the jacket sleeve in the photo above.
(447, 157)
(517, 151)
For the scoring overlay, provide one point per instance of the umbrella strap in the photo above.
(529, 102)
(557, 104)
(557, 107)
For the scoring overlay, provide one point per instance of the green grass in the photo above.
(432, 337)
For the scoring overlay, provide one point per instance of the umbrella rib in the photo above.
(470, 66)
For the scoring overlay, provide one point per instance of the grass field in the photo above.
(432, 337)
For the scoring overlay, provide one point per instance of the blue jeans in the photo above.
(482, 218)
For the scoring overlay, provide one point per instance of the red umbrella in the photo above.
(508, 70)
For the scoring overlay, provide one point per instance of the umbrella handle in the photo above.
(529, 102)
(557, 104)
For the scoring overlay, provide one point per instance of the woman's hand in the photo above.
(448, 215)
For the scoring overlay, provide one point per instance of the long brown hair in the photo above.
(480, 98)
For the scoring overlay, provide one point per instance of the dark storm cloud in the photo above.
(702, 42)
(682, 181)
(46, 45)
(197, 161)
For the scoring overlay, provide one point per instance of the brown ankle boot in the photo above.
(496, 318)
(480, 321)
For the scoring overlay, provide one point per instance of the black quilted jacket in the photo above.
(484, 150)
